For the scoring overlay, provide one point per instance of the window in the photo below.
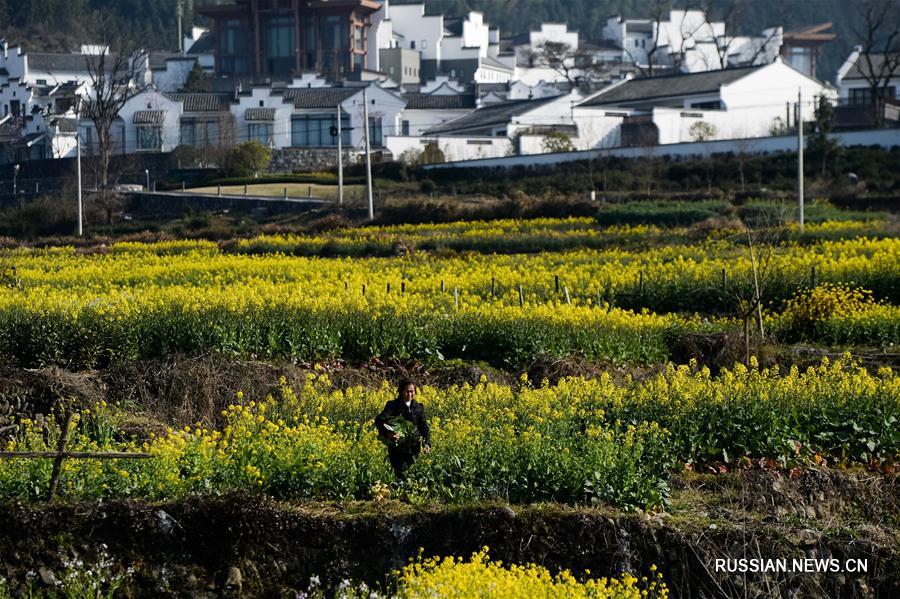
(199, 132)
(187, 133)
(261, 132)
(412, 45)
(41, 82)
(334, 37)
(315, 130)
(280, 45)
(801, 59)
(404, 128)
(15, 107)
(233, 47)
(149, 137)
(424, 44)
(862, 96)
(375, 134)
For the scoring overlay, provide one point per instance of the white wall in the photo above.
(475, 33)
(281, 126)
(554, 32)
(486, 74)
(599, 128)
(423, 120)
(442, 85)
(454, 148)
(175, 74)
(152, 100)
(886, 138)
(379, 36)
(763, 95)
(409, 20)
(554, 112)
(386, 105)
(13, 60)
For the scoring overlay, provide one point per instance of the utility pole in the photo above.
(800, 154)
(340, 160)
(179, 9)
(78, 154)
(368, 155)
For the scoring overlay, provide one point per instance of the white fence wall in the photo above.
(886, 138)
(452, 147)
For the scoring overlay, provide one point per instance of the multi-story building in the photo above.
(279, 39)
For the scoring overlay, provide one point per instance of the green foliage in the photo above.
(820, 144)
(247, 159)
(702, 131)
(663, 213)
(557, 141)
(198, 80)
(432, 154)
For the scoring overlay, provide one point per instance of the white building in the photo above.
(688, 42)
(467, 50)
(733, 103)
(855, 76)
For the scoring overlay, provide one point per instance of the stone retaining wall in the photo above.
(289, 160)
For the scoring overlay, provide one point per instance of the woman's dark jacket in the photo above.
(397, 408)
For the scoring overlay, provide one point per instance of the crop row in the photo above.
(504, 236)
(581, 441)
(705, 277)
(80, 329)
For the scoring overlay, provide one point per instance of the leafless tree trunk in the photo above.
(116, 74)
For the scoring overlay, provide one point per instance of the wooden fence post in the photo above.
(492, 287)
(521, 296)
(568, 299)
(60, 448)
(641, 288)
(456, 297)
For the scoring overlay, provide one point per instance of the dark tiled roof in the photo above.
(669, 86)
(260, 114)
(205, 44)
(158, 59)
(488, 116)
(46, 61)
(439, 102)
(860, 68)
(203, 102)
(319, 97)
(149, 117)
(66, 125)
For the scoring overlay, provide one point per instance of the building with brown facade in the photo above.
(279, 39)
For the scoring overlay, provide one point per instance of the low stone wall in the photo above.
(289, 160)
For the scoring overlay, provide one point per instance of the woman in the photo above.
(403, 448)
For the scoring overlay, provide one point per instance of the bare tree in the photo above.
(116, 73)
(878, 62)
(659, 12)
(734, 15)
(578, 66)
